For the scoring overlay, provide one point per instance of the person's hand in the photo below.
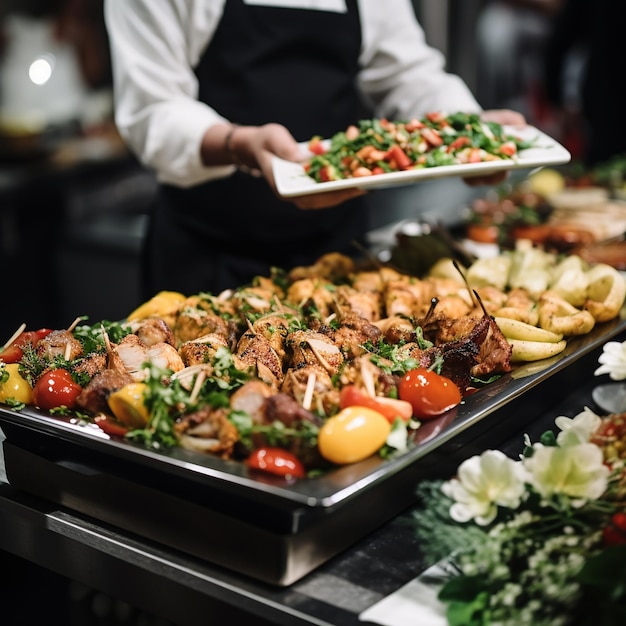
(500, 116)
(504, 116)
(263, 142)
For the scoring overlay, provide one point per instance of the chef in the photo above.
(206, 91)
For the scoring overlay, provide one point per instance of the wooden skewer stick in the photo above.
(200, 378)
(74, 324)
(471, 291)
(308, 394)
(368, 379)
(14, 336)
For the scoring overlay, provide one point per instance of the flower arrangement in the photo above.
(540, 540)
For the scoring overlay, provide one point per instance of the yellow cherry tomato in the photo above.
(162, 304)
(128, 406)
(15, 387)
(352, 435)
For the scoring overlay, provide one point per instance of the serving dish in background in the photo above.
(264, 527)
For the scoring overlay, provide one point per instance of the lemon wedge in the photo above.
(162, 304)
(128, 406)
(546, 182)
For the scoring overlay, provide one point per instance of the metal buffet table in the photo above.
(187, 590)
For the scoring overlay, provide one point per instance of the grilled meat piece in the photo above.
(313, 348)
(59, 343)
(250, 398)
(193, 322)
(202, 350)
(207, 430)
(94, 397)
(324, 397)
(353, 332)
(135, 354)
(256, 351)
(153, 330)
(334, 266)
(366, 304)
(91, 364)
(283, 408)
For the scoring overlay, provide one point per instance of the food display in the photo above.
(554, 211)
(318, 367)
(381, 146)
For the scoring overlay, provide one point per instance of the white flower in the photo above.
(574, 471)
(578, 429)
(613, 360)
(483, 483)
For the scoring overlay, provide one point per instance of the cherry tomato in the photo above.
(14, 352)
(110, 426)
(276, 461)
(611, 536)
(458, 143)
(397, 155)
(391, 408)
(429, 393)
(483, 233)
(352, 435)
(56, 388)
(619, 521)
(316, 146)
(508, 148)
(432, 136)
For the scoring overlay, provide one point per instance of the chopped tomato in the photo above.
(56, 388)
(391, 408)
(483, 233)
(458, 143)
(474, 156)
(110, 426)
(432, 136)
(378, 170)
(436, 117)
(316, 146)
(414, 124)
(430, 394)
(398, 157)
(276, 461)
(15, 351)
(508, 148)
(327, 174)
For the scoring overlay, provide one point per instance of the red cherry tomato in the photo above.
(56, 388)
(110, 426)
(391, 408)
(276, 461)
(15, 352)
(611, 536)
(429, 393)
(316, 146)
(398, 156)
(619, 521)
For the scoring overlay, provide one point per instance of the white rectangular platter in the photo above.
(291, 179)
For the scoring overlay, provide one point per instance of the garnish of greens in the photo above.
(458, 136)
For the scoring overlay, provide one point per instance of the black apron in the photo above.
(264, 64)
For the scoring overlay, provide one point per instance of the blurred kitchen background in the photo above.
(74, 203)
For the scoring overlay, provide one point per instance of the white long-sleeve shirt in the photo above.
(155, 44)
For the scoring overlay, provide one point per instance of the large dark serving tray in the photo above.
(265, 527)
